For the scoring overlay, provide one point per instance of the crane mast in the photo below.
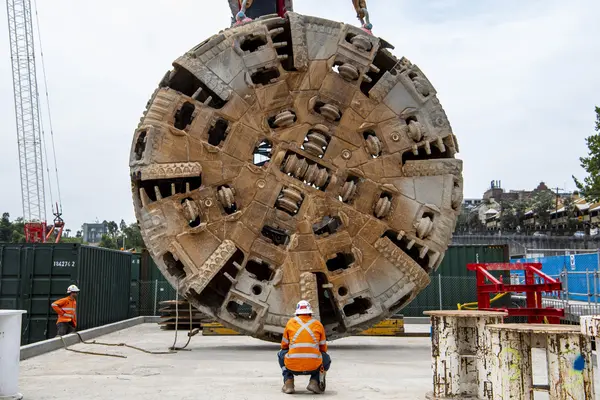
(27, 113)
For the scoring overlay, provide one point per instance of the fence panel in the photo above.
(152, 293)
(443, 293)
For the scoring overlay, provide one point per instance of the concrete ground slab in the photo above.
(233, 367)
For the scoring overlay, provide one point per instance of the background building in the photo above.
(92, 233)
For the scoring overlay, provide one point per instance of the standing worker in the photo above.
(246, 10)
(66, 308)
(303, 349)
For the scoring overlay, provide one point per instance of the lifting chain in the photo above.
(316, 140)
(348, 191)
(349, 72)
(284, 119)
(290, 200)
(300, 169)
(424, 227)
(373, 145)
(382, 209)
(226, 196)
(330, 112)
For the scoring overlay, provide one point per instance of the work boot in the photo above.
(314, 387)
(288, 386)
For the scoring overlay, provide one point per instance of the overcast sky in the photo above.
(518, 79)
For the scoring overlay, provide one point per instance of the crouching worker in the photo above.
(303, 350)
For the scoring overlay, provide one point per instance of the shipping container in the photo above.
(452, 283)
(154, 287)
(458, 256)
(32, 276)
(134, 290)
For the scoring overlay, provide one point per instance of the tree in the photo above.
(571, 221)
(474, 223)
(66, 239)
(108, 242)
(5, 228)
(542, 202)
(512, 213)
(113, 229)
(590, 187)
(462, 221)
(129, 234)
(133, 237)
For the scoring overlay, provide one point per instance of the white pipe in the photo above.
(10, 348)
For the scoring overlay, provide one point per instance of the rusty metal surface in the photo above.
(536, 328)
(461, 353)
(511, 362)
(590, 325)
(291, 159)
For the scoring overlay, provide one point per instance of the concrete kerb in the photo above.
(46, 346)
(417, 320)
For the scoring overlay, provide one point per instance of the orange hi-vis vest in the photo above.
(66, 308)
(304, 336)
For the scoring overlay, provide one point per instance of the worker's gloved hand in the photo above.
(241, 18)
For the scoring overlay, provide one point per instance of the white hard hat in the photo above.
(303, 307)
(72, 288)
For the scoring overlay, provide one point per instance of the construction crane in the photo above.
(30, 131)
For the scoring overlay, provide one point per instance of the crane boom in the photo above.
(26, 97)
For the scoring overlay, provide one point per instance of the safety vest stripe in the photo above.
(284, 340)
(309, 345)
(304, 326)
(54, 305)
(322, 342)
(68, 308)
(303, 355)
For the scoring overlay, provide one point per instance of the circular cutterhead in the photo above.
(296, 158)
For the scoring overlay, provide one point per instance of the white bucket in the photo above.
(10, 349)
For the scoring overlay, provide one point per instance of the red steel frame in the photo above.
(35, 232)
(534, 310)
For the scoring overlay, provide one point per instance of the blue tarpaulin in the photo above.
(576, 266)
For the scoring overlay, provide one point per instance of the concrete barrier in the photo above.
(10, 333)
(565, 348)
(460, 350)
(46, 346)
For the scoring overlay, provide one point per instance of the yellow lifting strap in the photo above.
(473, 305)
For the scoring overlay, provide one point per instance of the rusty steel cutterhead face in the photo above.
(296, 158)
